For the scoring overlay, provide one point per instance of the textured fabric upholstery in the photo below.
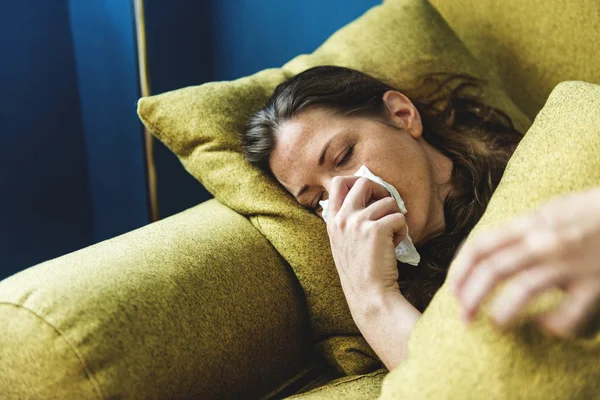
(198, 305)
(447, 360)
(356, 387)
(532, 45)
(397, 42)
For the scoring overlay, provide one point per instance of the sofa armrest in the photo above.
(198, 305)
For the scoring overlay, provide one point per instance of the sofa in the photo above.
(203, 305)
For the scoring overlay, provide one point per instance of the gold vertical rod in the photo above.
(140, 27)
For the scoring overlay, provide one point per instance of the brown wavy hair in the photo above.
(478, 138)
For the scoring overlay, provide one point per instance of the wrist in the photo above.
(385, 319)
(375, 304)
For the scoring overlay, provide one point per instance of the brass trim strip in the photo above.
(140, 27)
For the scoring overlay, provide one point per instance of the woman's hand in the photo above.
(558, 245)
(364, 226)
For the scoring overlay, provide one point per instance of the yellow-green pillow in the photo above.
(395, 41)
(447, 360)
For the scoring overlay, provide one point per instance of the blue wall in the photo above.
(247, 38)
(103, 34)
(45, 203)
(71, 155)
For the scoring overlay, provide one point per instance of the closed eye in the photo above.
(347, 156)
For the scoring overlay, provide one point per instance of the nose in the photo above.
(326, 185)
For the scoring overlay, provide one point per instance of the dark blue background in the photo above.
(71, 147)
(45, 201)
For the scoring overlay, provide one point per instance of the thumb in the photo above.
(395, 226)
(398, 239)
(400, 229)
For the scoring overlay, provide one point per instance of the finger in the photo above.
(489, 272)
(520, 290)
(459, 247)
(575, 312)
(381, 207)
(338, 190)
(478, 248)
(363, 192)
(396, 225)
(474, 291)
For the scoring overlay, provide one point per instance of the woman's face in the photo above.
(317, 145)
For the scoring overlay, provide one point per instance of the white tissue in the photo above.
(405, 251)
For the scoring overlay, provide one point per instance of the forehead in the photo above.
(298, 144)
(301, 131)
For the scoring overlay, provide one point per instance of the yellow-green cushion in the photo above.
(559, 154)
(168, 311)
(358, 387)
(533, 45)
(395, 41)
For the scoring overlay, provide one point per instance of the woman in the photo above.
(444, 151)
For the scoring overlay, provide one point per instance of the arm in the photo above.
(363, 238)
(385, 318)
(557, 245)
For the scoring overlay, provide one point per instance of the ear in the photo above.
(403, 113)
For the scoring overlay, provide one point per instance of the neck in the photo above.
(441, 171)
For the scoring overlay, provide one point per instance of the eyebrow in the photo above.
(321, 162)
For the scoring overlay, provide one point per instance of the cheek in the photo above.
(403, 164)
(414, 185)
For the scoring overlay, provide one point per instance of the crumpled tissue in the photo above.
(405, 251)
